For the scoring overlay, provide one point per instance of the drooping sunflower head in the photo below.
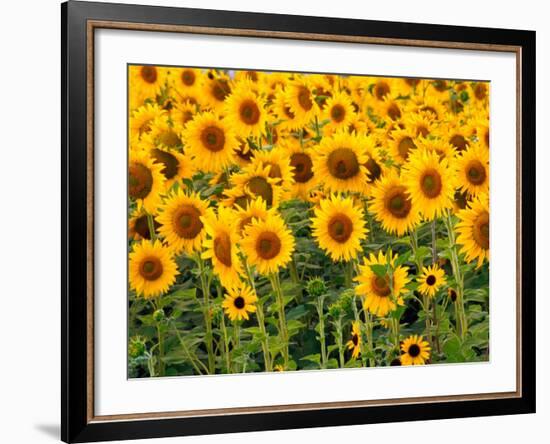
(268, 244)
(339, 227)
(175, 166)
(210, 141)
(142, 118)
(245, 111)
(183, 112)
(152, 269)
(402, 143)
(429, 182)
(181, 221)
(355, 342)
(340, 162)
(381, 293)
(221, 246)
(392, 205)
(420, 124)
(256, 181)
(473, 230)
(138, 226)
(472, 168)
(382, 88)
(301, 163)
(239, 302)
(145, 181)
(391, 110)
(216, 87)
(279, 166)
(300, 100)
(431, 280)
(414, 351)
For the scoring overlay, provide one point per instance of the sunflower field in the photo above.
(288, 221)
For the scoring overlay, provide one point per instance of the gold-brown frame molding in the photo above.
(92, 25)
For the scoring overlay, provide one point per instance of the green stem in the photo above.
(462, 322)
(425, 300)
(320, 303)
(276, 285)
(195, 362)
(435, 319)
(161, 349)
(293, 271)
(151, 226)
(205, 287)
(339, 341)
(225, 337)
(236, 340)
(348, 273)
(370, 344)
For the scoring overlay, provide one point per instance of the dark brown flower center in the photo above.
(486, 137)
(169, 138)
(412, 82)
(422, 130)
(259, 186)
(249, 112)
(480, 91)
(381, 285)
(304, 98)
(213, 138)
(355, 339)
(338, 113)
(374, 171)
(414, 350)
(302, 164)
(475, 171)
(394, 112)
(452, 294)
(289, 112)
(480, 230)
(268, 245)
(431, 184)
(398, 203)
(459, 142)
(406, 144)
(150, 268)
(141, 226)
(220, 89)
(140, 181)
(186, 222)
(170, 162)
(242, 201)
(149, 74)
(340, 227)
(188, 77)
(342, 163)
(430, 280)
(381, 89)
(440, 85)
(222, 249)
(239, 302)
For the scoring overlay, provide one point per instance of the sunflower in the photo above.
(339, 112)
(181, 221)
(429, 183)
(279, 166)
(215, 89)
(473, 170)
(138, 226)
(145, 181)
(339, 227)
(441, 147)
(245, 111)
(142, 118)
(239, 301)
(210, 142)
(148, 80)
(301, 162)
(431, 105)
(392, 206)
(255, 209)
(268, 244)
(185, 81)
(286, 117)
(255, 180)
(390, 110)
(382, 88)
(455, 133)
(473, 230)
(401, 143)
(355, 342)
(183, 112)
(221, 246)
(374, 165)
(376, 290)
(176, 166)
(431, 280)
(415, 351)
(340, 161)
(300, 100)
(163, 134)
(421, 124)
(152, 269)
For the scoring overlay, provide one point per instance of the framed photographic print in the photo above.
(276, 221)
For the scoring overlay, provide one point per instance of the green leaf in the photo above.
(316, 358)
(379, 270)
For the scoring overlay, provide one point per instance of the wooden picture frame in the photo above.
(79, 22)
